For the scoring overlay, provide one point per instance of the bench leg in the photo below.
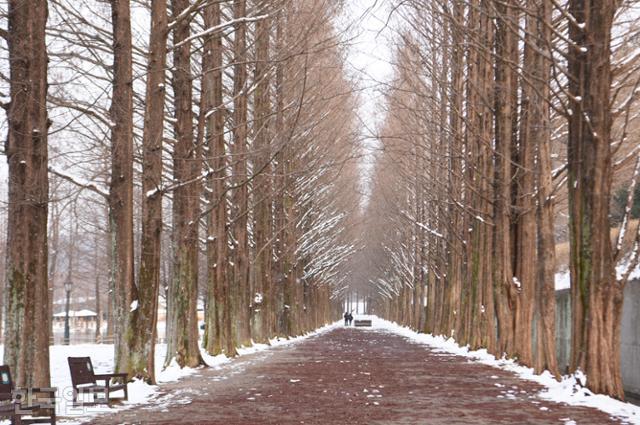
(126, 391)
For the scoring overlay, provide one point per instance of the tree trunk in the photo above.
(241, 287)
(262, 184)
(3, 258)
(121, 188)
(27, 291)
(456, 177)
(538, 40)
(96, 277)
(141, 332)
(595, 294)
(526, 226)
(212, 77)
(505, 293)
(182, 322)
(277, 274)
(486, 308)
(54, 246)
(219, 319)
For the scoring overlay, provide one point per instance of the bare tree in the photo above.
(182, 321)
(596, 294)
(143, 319)
(27, 291)
(121, 188)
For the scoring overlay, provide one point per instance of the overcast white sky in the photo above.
(369, 55)
(365, 24)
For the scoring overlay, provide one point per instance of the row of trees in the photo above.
(211, 143)
(501, 110)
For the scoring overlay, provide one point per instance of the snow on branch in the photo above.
(84, 184)
(220, 27)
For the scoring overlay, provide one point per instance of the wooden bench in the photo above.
(362, 322)
(16, 403)
(84, 380)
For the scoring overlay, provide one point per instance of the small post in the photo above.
(67, 288)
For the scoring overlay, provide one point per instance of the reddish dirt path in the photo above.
(353, 376)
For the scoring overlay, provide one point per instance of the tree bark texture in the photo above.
(141, 333)
(182, 321)
(121, 187)
(27, 292)
(595, 294)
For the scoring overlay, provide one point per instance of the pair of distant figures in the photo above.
(348, 318)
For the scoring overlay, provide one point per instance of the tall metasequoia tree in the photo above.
(478, 293)
(121, 188)
(219, 327)
(212, 335)
(595, 293)
(54, 244)
(473, 101)
(537, 65)
(505, 290)
(182, 320)
(525, 223)
(97, 287)
(241, 290)
(455, 181)
(141, 332)
(278, 182)
(485, 316)
(261, 320)
(27, 295)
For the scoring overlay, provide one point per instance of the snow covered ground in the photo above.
(139, 392)
(567, 391)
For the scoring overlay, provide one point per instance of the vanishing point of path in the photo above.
(353, 376)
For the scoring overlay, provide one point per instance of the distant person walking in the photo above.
(349, 319)
(346, 318)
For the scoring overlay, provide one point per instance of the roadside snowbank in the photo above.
(567, 391)
(139, 391)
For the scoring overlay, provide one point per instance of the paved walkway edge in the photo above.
(568, 391)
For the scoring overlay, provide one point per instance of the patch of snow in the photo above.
(621, 268)
(173, 372)
(134, 305)
(563, 280)
(517, 283)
